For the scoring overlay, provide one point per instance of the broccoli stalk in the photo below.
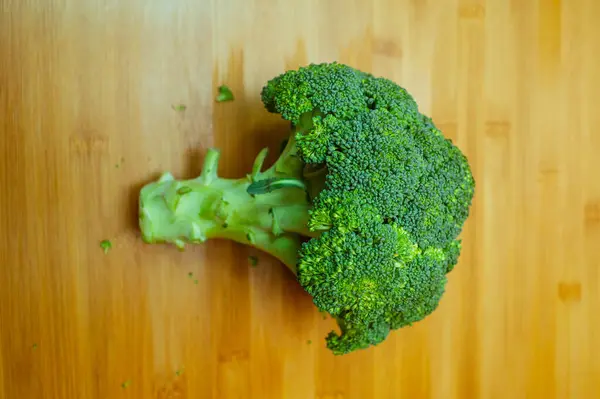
(267, 210)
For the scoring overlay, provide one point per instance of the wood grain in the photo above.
(86, 118)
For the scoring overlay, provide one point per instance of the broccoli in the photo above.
(364, 204)
(106, 245)
(225, 94)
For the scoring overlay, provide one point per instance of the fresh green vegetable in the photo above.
(224, 94)
(364, 205)
(106, 245)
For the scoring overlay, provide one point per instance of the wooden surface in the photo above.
(86, 95)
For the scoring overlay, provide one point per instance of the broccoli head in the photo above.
(364, 205)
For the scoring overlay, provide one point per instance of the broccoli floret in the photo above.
(364, 204)
(106, 245)
(225, 94)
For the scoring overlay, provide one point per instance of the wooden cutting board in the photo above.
(89, 96)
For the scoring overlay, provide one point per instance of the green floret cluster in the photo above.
(365, 203)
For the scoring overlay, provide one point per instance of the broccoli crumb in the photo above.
(191, 276)
(34, 346)
(126, 384)
(179, 372)
(179, 107)
(106, 245)
(253, 261)
(225, 94)
(309, 342)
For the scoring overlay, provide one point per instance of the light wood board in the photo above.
(87, 90)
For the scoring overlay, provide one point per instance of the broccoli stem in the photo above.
(288, 165)
(212, 207)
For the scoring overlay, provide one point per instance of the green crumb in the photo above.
(309, 342)
(253, 261)
(184, 190)
(179, 107)
(106, 245)
(191, 275)
(117, 165)
(126, 384)
(179, 372)
(34, 346)
(225, 94)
